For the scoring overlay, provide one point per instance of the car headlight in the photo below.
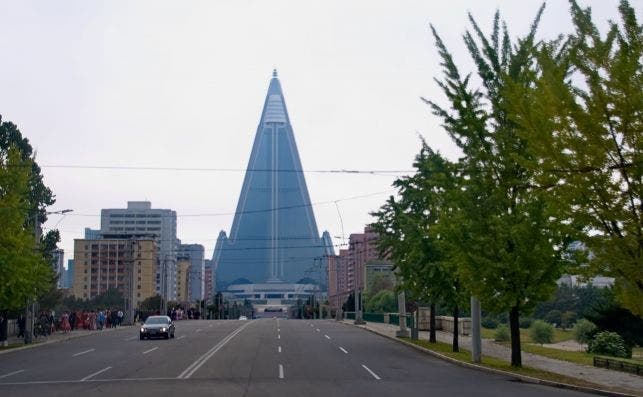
(142, 329)
(163, 329)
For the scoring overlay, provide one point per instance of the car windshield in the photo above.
(156, 320)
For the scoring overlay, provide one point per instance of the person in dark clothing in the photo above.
(21, 326)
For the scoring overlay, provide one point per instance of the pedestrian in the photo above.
(120, 317)
(101, 319)
(64, 323)
(21, 326)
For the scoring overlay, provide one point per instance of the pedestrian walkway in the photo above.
(600, 376)
(57, 336)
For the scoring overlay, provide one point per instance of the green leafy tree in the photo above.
(506, 236)
(23, 271)
(583, 117)
(384, 301)
(584, 331)
(409, 230)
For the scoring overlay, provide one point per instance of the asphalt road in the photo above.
(268, 357)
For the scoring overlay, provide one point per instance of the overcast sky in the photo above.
(181, 85)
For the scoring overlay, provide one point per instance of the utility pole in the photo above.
(476, 337)
(401, 308)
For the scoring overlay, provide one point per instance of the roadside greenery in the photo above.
(541, 332)
(551, 155)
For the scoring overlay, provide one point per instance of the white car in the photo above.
(243, 318)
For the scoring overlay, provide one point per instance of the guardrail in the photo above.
(619, 365)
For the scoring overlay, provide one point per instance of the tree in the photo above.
(410, 229)
(506, 235)
(382, 302)
(23, 271)
(583, 117)
(584, 331)
(541, 332)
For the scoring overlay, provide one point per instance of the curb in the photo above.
(523, 378)
(62, 339)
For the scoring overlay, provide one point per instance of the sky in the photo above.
(160, 100)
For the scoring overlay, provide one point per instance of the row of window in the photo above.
(135, 215)
(131, 229)
(131, 222)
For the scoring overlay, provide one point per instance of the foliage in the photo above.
(611, 317)
(502, 334)
(584, 330)
(23, 271)
(568, 318)
(581, 300)
(489, 322)
(507, 237)
(153, 303)
(384, 301)
(609, 343)
(554, 317)
(378, 282)
(541, 332)
(525, 322)
(582, 117)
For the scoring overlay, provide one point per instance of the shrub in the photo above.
(502, 334)
(489, 322)
(541, 332)
(584, 331)
(567, 319)
(554, 317)
(525, 322)
(609, 343)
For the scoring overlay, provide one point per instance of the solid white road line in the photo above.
(371, 372)
(281, 371)
(327, 337)
(151, 350)
(279, 350)
(94, 374)
(22, 370)
(180, 337)
(201, 360)
(86, 351)
(342, 349)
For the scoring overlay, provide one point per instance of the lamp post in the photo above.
(29, 311)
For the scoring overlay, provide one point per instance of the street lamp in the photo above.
(29, 311)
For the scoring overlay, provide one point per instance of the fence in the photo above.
(619, 365)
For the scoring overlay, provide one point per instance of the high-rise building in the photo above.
(208, 285)
(182, 277)
(58, 264)
(69, 274)
(127, 265)
(140, 220)
(274, 236)
(196, 277)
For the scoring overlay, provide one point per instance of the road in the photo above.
(267, 357)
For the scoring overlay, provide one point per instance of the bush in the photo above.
(610, 344)
(526, 322)
(567, 319)
(541, 332)
(554, 317)
(502, 334)
(489, 322)
(584, 331)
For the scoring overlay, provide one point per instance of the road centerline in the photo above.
(327, 337)
(81, 353)
(342, 349)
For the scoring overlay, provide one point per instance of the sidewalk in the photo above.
(57, 336)
(601, 376)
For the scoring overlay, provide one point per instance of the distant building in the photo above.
(92, 234)
(578, 281)
(209, 282)
(128, 265)
(58, 265)
(347, 271)
(140, 220)
(182, 277)
(69, 274)
(196, 278)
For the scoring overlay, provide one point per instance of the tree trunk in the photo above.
(514, 326)
(432, 337)
(456, 329)
(4, 327)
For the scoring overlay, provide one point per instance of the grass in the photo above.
(577, 357)
(495, 363)
(560, 335)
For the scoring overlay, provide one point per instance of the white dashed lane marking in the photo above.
(151, 350)
(81, 353)
(371, 372)
(94, 374)
(14, 373)
(281, 371)
(342, 349)
(279, 349)
(180, 337)
(327, 337)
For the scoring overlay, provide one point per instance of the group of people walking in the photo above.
(47, 322)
